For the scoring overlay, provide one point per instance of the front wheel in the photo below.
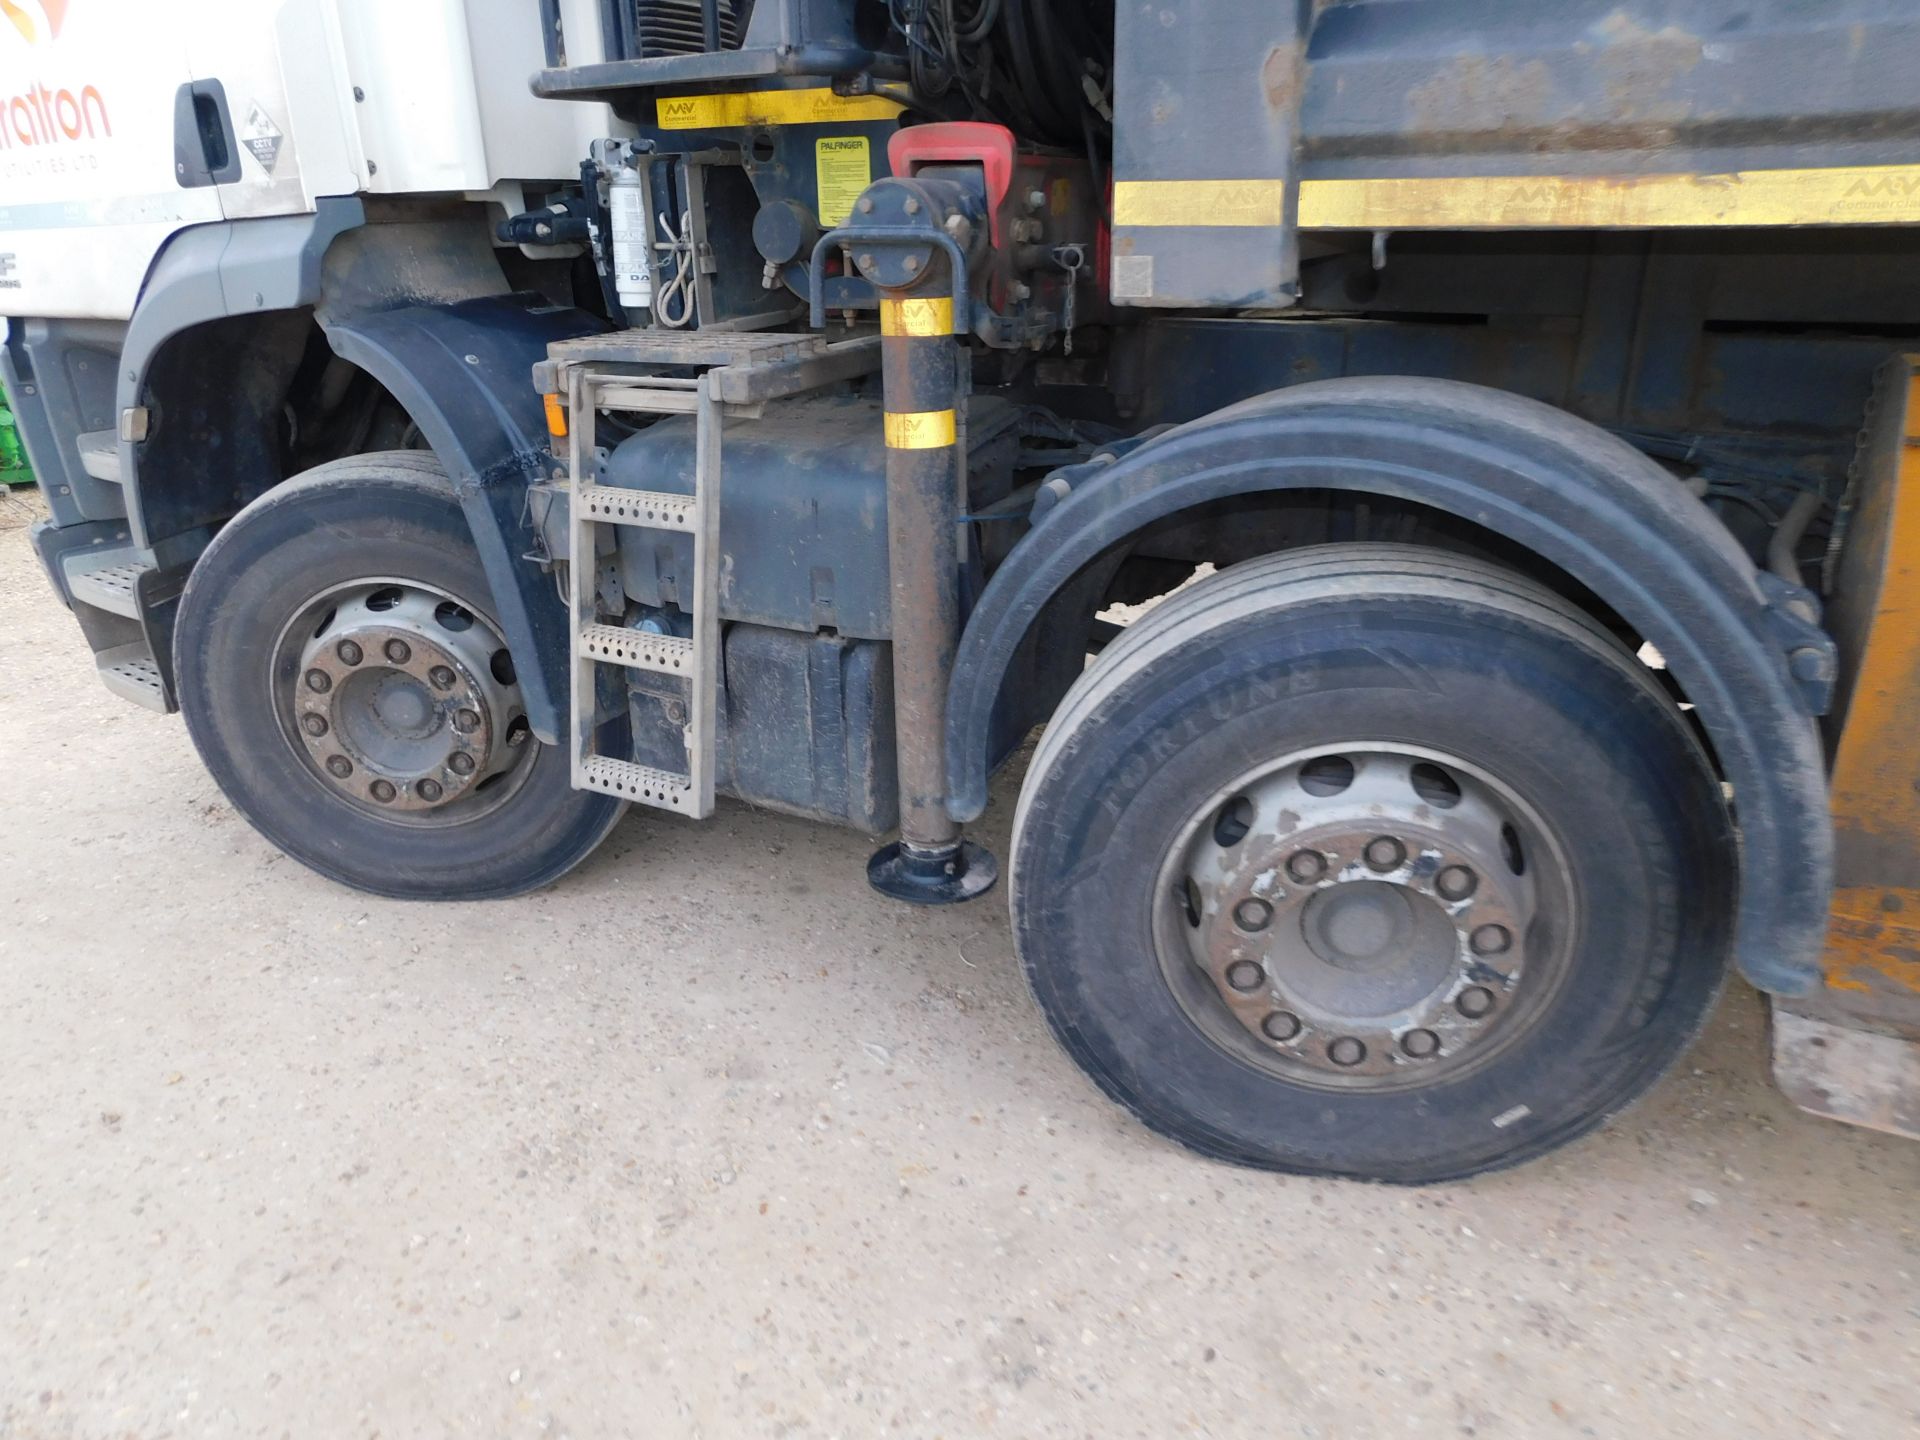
(344, 680)
(1371, 861)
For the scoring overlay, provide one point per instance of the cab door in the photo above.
(90, 174)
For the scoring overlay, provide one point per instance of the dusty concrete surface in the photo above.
(709, 1141)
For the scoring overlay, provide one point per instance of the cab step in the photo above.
(108, 579)
(129, 671)
(100, 455)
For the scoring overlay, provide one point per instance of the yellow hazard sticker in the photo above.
(814, 106)
(1183, 203)
(842, 168)
(923, 430)
(916, 317)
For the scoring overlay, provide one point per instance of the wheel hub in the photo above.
(1374, 916)
(404, 699)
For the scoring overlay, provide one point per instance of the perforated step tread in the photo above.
(107, 579)
(131, 673)
(618, 645)
(640, 783)
(610, 505)
(100, 454)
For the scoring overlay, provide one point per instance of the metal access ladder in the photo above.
(740, 372)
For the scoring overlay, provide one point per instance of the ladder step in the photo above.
(640, 783)
(618, 645)
(610, 505)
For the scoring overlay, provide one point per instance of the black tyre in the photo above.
(343, 679)
(1371, 861)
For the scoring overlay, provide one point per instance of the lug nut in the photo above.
(1456, 882)
(339, 766)
(466, 721)
(399, 652)
(1281, 1025)
(1306, 866)
(1384, 853)
(348, 652)
(1474, 1002)
(1420, 1043)
(1347, 1051)
(314, 725)
(1491, 940)
(382, 790)
(441, 677)
(1253, 915)
(427, 790)
(1244, 975)
(460, 763)
(319, 681)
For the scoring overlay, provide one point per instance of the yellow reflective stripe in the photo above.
(1841, 195)
(1845, 195)
(923, 430)
(1199, 202)
(916, 317)
(817, 106)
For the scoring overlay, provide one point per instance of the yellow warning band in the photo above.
(1199, 202)
(924, 430)
(819, 106)
(916, 317)
(1841, 195)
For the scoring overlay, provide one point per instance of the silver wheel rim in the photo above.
(401, 700)
(1371, 916)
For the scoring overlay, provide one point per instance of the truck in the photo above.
(1442, 477)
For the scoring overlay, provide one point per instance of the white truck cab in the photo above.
(123, 123)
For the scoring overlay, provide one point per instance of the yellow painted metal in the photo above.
(813, 106)
(916, 317)
(922, 430)
(1845, 195)
(1199, 202)
(1873, 944)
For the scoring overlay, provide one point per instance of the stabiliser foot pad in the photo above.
(933, 877)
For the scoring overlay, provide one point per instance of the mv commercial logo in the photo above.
(39, 113)
(1891, 184)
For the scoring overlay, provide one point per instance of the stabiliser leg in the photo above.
(930, 864)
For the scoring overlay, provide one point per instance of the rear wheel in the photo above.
(1370, 861)
(344, 681)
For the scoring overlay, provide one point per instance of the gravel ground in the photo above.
(708, 1140)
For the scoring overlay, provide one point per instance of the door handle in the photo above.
(204, 151)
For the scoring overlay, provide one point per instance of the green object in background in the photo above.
(14, 469)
